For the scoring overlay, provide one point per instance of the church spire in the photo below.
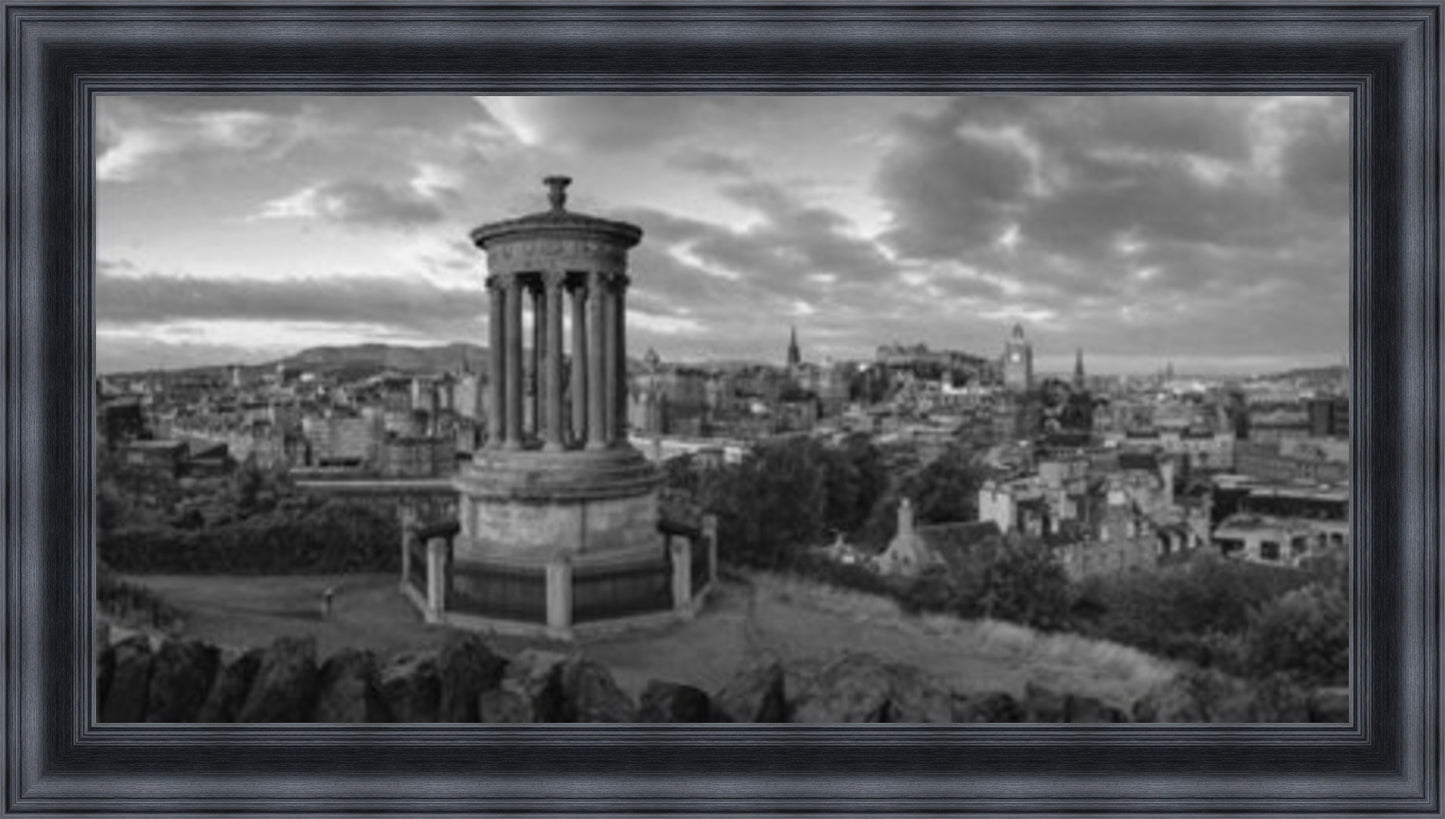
(1079, 367)
(794, 357)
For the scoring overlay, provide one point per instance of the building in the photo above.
(1018, 361)
(1285, 525)
(1329, 417)
(558, 522)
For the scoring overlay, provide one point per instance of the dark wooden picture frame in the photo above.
(60, 55)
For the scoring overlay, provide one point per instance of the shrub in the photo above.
(330, 538)
(1304, 633)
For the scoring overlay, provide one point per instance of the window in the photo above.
(1269, 550)
(1229, 546)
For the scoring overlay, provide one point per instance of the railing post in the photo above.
(559, 595)
(709, 534)
(436, 579)
(681, 552)
(408, 539)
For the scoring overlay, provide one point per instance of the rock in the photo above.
(1329, 705)
(181, 676)
(410, 687)
(530, 691)
(285, 686)
(851, 688)
(1091, 709)
(104, 671)
(673, 702)
(346, 689)
(917, 697)
(754, 694)
(508, 702)
(228, 692)
(1042, 704)
(125, 698)
(466, 666)
(993, 706)
(592, 695)
(1278, 698)
(1199, 695)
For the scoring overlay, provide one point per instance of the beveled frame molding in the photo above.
(60, 55)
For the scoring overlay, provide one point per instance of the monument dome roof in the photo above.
(558, 222)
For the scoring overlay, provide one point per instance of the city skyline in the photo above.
(1210, 232)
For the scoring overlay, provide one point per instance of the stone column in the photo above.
(512, 414)
(596, 355)
(559, 594)
(496, 376)
(436, 579)
(709, 534)
(610, 374)
(555, 281)
(619, 332)
(579, 364)
(539, 356)
(680, 551)
(408, 538)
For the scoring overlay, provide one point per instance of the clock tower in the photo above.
(1018, 361)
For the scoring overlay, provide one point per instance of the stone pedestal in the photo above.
(529, 505)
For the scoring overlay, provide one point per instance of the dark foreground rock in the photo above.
(467, 666)
(673, 702)
(181, 674)
(991, 706)
(591, 694)
(410, 687)
(125, 698)
(346, 689)
(755, 694)
(227, 695)
(1329, 705)
(530, 691)
(858, 687)
(285, 686)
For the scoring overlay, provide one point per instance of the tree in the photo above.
(945, 490)
(1305, 633)
(1023, 583)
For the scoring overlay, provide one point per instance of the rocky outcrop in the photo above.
(664, 701)
(181, 674)
(466, 666)
(141, 678)
(130, 679)
(1328, 705)
(530, 691)
(410, 687)
(227, 695)
(757, 693)
(859, 687)
(346, 689)
(992, 706)
(590, 694)
(285, 686)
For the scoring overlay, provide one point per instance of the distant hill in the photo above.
(1333, 372)
(360, 360)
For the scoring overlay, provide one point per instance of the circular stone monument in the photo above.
(557, 476)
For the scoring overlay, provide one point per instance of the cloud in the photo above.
(402, 304)
(1162, 216)
(135, 139)
(368, 203)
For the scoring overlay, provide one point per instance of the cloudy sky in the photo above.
(1210, 231)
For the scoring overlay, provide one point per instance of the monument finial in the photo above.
(557, 191)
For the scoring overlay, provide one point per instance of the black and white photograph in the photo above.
(722, 409)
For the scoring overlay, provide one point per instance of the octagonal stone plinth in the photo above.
(529, 505)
